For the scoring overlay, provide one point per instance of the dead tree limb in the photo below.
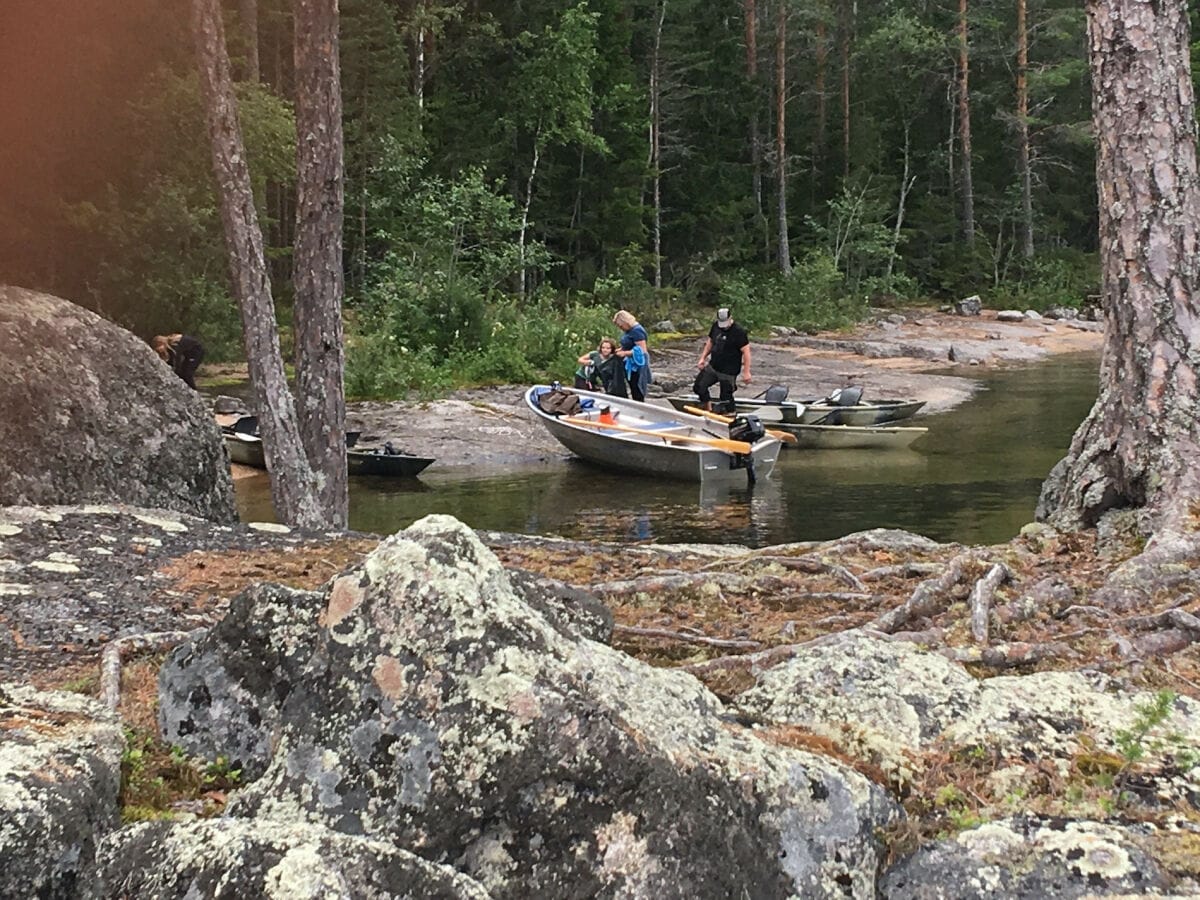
(981, 600)
(666, 634)
(760, 661)
(116, 651)
(904, 570)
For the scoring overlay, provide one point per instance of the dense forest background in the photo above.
(518, 169)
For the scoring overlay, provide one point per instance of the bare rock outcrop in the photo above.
(440, 711)
(91, 415)
(60, 770)
(230, 859)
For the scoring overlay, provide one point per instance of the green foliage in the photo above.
(1065, 278)
(154, 776)
(157, 235)
(813, 297)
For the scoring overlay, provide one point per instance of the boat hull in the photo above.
(647, 454)
(820, 412)
(247, 450)
(850, 437)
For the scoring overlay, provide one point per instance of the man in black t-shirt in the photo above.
(726, 353)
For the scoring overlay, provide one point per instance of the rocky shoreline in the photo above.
(447, 713)
(932, 355)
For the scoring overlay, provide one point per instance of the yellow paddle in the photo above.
(786, 436)
(716, 443)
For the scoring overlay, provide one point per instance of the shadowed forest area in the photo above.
(515, 171)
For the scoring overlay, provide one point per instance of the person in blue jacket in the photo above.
(635, 355)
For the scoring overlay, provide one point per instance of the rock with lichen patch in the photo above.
(881, 701)
(229, 858)
(1027, 859)
(220, 694)
(60, 770)
(443, 713)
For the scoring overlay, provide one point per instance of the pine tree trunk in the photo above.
(822, 62)
(248, 10)
(292, 481)
(656, 139)
(317, 269)
(847, 25)
(750, 10)
(785, 255)
(967, 192)
(1023, 133)
(1139, 445)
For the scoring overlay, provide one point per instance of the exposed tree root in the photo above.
(666, 634)
(929, 598)
(115, 652)
(1010, 656)
(981, 600)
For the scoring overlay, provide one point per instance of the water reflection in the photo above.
(974, 477)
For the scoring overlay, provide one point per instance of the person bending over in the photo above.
(182, 353)
(726, 354)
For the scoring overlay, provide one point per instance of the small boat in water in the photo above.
(851, 437)
(628, 436)
(246, 448)
(843, 407)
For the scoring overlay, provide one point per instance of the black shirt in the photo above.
(727, 344)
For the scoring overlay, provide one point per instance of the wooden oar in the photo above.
(786, 436)
(716, 443)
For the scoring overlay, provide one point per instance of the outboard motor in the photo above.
(724, 407)
(746, 428)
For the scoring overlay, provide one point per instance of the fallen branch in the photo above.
(666, 634)
(981, 600)
(790, 600)
(757, 662)
(652, 584)
(115, 651)
(810, 565)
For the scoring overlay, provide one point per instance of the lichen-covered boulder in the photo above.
(1027, 859)
(440, 711)
(60, 770)
(888, 701)
(879, 700)
(220, 695)
(92, 415)
(229, 859)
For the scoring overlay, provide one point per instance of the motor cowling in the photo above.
(746, 428)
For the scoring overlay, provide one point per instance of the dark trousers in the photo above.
(707, 378)
(185, 359)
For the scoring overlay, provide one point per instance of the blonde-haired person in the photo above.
(636, 356)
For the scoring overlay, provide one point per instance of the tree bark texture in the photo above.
(656, 139)
(822, 59)
(967, 193)
(1023, 133)
(785, 254)
(750, 15)
(291, 478)
(317, 266)
(1139, 445)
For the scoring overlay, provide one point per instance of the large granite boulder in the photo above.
(220, 695)
(230, 859)
(88, 413)
(440, 711)
(60, 770)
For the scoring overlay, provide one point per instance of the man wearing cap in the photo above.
(726, 354)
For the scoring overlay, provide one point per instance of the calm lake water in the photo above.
(974, 478)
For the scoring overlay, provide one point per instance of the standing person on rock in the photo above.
(726, 354)
(636, 356)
